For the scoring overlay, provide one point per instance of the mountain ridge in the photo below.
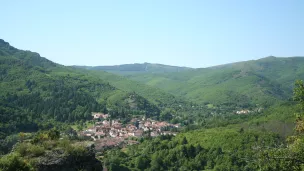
(128, 67)
(137, 68)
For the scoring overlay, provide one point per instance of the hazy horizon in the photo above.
(188, 66)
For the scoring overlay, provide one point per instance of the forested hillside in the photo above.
(251, 83)
(153, 94)
(35, 89)
(268, 141)
(39, 95)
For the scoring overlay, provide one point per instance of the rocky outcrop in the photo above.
(59, 160)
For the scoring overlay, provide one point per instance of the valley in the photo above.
(149, 116)
(152, 85)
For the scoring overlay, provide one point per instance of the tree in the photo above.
(198, 149)
(184, 141)
(241, 131)
(53, 134)
(141, 162)
(21, 136)
(298, 92)
(71, 133)
(156, 162)
(166, 114)
(136, 124)
(191, 151)
(298, 95)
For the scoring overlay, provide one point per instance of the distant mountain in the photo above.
(137, 68)
(263, 82)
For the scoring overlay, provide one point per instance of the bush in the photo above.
(35, 150)
(53, 134)
(13, 162)
(27, 149)
(21, 148)
(40, 137)
(64, 143)
(78, 150)
(49, 145)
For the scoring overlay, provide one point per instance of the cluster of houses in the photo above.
(104, 128)
(239, 112)
(245, 111)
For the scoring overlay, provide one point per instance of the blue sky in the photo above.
(190, 33)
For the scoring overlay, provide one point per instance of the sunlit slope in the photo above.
(263, 81)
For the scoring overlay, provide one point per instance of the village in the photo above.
(246, 111)
(109, 133)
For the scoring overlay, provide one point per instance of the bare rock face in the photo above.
(58, 159)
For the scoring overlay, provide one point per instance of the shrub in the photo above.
(40, 137)
(21, 148)
(49, 144)
(78, 150)
(64, 143)
(27, 149)
(35, 150)
(53, 134)
(13, 162)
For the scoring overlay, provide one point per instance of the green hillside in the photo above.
(246, 84)
(184, 111)
(262, 81)
(35, 90)
(137, 68)
(271, 140)
(153, 94)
